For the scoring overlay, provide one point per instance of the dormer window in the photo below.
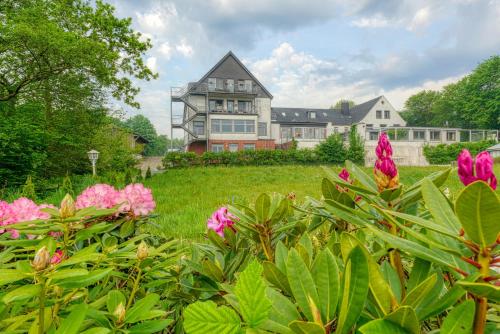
(312, 115)
(283, 114)
(296, 114)
(325, 114)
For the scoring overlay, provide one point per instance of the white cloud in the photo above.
(371, 22)
(151, 63)
(165, 50)
(184, 49)
(421, 18)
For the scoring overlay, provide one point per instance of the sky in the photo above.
(312, 53)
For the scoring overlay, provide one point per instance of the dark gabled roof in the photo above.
(359, 111)
(302, 115)
(323, 116)
(231, 54)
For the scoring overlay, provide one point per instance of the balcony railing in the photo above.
(233, 90)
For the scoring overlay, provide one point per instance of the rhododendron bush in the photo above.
(370, 255)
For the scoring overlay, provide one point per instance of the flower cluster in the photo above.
(221, 219)
(134, 198)
(21, 210)
(479, 170)
(386, 172)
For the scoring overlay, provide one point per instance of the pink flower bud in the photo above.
(384, 148)
(483, 168)
(386, 172)
(344, 175)
(221, 219)
(57, 257)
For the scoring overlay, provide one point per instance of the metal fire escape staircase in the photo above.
(191, 111)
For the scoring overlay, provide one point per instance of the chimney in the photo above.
(344, 108)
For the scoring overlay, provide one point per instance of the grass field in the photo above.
(186, 197)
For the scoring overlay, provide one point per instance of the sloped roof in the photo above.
(359, 111)
(220, 62)
(301, 115)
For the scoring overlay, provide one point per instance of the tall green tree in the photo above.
(419, 108)
(141, 125)
(339, 103)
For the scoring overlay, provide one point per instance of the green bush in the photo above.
(333, 150)
(443, 154)
(356, 149)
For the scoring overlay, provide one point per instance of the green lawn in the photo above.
(187, 197)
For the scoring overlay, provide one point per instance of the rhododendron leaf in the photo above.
(428, 224)
(11, 275)
(389, 195)
(212, 270)
(301, 283)
(342, 183)
(88, 254)
(85, 280)
(19, 242)
(406, 318)
(280, 211)
(127, 229)
(151, 326)
(448, 299)
(325, 273)
(22, 293)
(303, 327)
(274, 276)
(96, 330)
(281, 256)
(478, 208)
(283, 310)
(72, 323)
(67, 273)
(358, 174)
(460, 319)
(489, 291)
(262, 208)
(206, 317)
(416, 298)
(419, 272)
(216, 239)
(382, 326)
(355, 290)
(439, 206)
(250, 291)
(114, 299)
(329, 190)
(141, 307)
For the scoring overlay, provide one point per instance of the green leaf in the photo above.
(114, 299)
(73, 322)
(262, 207)
(127, 229)
(274, 276)
(359, 175)
(418, 297)
(406, 318)
(302, 327)
(67, 273)
(478, 208)
(97, 330)
(151, 326)
(283, 310)
(10, 275)
(140, 307)
(381, 326)
(325, 273)
(439, 206)
(22, 293)
(445, 301)
(85, 280)
(211, 270)
(489, 291)
(419, 272)
(355, 287)
(329, 190)
(206, 317)
(301, 283)
(460, 320)
(250, 291)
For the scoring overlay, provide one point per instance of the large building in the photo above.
(228, 109)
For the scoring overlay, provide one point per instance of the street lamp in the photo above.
(93, 156)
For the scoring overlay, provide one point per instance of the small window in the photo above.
(239, 125)
(387, 114)
(230, 106)
(212, 82)
(379, 114)
(283, 114)
(216, 125)
(296, 114)
(241, 85)
(369, 125)
(226, 125)
(230, 85)
(451, 136)
(249, 147)
(249, 126)
(216, 105)
(297, 132)
(312, 115)
(262, 129)
(219, 84)
(383, 125)
(418, 135)
(199, 128)
(373, 135)
(248, 86)
(244, 107)
(325, 114)
(217, 147)
(233, 147)
(435, 135)
(382, 102)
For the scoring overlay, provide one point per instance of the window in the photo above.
(241, 85)
(233, 147)
(435, 135)
(379, 114)
(249, 147)
(244, 107)
(215, 105)
(262, 130)
(383, 125)
(387, 114)
(199, 128)
(219, 84)
(226, 125)
(230, 106)
(451, 135)
(233, 126)
(297, 133)
(418, 135)
(373, 135)
(248, 86)
(312, 115)
(230, 85)
(217, 147)
(286, 133)
(211, 84)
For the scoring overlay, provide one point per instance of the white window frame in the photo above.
(231, 147)
(262, 130)
(378, 114)
(249, 146)
(387, 114)
(217, 148)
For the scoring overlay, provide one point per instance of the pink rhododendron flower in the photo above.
(385, 170)
(100, 196)
(344, 175)
(57, 257)
(26, 210)
(221, 219)
(483, 168)
(137, 199)
(6, 215)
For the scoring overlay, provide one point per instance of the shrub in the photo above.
(28, 189)
(356, 149)
(148, 173)
(332, 149)
(443, 154)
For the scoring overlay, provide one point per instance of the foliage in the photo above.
(332, 150)
(473, 102)
(28, 189)
(148, 173)
(356, 149)
(442, 154)
(338, 104)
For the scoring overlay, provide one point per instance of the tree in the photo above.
(142, 126)
(339, 103)
(45, 39)
(332, 149)
(356, 150)
(419, 108)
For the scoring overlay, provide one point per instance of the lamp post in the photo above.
(93, 156)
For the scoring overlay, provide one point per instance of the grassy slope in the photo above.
(187, 197)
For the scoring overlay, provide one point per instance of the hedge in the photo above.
(444, 154)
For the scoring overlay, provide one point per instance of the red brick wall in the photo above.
(262, 144)
(198, 147)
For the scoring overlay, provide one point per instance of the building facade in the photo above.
(228, 109)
